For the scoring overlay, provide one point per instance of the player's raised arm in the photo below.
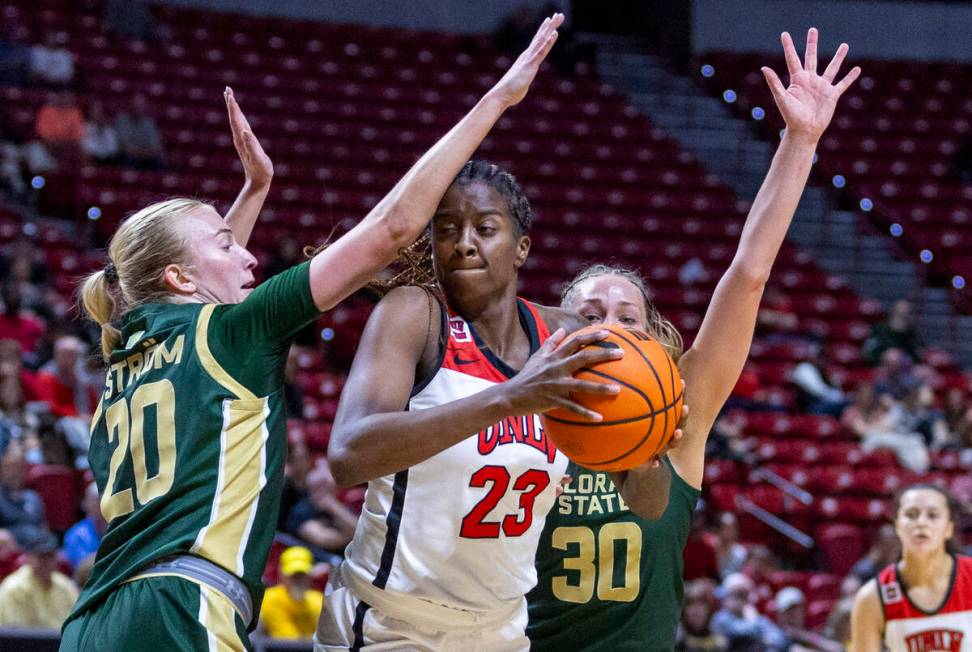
(713, 364)
(399, 218)
(257, 171)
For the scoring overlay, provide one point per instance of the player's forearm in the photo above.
(774, 206)
(377, 445)
(405, 211)
(645, 490)
(243, 214)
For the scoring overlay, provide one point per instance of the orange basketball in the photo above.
(638, 422)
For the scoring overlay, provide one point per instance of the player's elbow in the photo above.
(399, 227)
(753, 277)
(344, 467)
(649, 507)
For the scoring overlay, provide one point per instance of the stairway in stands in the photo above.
(841, 243)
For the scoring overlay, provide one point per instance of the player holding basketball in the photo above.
(924, 602)
(610, 577)
(189, 440)
(439, 417)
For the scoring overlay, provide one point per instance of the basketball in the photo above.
(638, 422)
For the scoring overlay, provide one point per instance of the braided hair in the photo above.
(414, 263)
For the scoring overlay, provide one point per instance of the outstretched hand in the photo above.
(256, 164)
(513, 86)
(808, 103)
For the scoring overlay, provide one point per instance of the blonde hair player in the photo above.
(923, 603)
(610, 557)
(189, 440)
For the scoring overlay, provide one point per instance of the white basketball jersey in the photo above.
(461, 529)
(910, 629)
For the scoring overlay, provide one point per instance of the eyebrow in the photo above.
(222, 231)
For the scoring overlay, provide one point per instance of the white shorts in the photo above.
(347, 623)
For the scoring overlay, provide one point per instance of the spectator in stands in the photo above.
(295, 477)
(699, 553)
(743, 626)
(60, 124)
(82, 539)
(291, 609)
(293, 394)
(895, 375)
(791, 609)
(139, 135)
(321, 519)
(65, 383)
(15, 322)
(14, 56)
(885, 550)
(51, 64)
(101, 141)
(730, 553)
(21, 509)
(838, 627)
(816, 392)
(29, 276)
(898, 332)
(760, 567)
(695, 632)
(11, 170)
(38, 158)
(727, 442)
(922, 416)
(958, 419)
(37, 595)
(878, 421)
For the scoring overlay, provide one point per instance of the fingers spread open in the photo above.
(789, 52)
(774, 83)
(810, 56)
(848, 79)
(834, 66)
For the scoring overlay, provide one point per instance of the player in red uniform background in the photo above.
(924, 602)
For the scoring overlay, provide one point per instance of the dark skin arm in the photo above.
(373, 436)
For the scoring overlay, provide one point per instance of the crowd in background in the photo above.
(51, 378)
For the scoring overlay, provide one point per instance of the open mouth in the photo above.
(249, 285)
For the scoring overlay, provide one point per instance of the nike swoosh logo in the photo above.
(461, 361)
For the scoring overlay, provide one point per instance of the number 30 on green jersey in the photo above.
(595, 562)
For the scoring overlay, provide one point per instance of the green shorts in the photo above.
(158, 613)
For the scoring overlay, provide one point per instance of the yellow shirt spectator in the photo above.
(290, 609)
(26, 601)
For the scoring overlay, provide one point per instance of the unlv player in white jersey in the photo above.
(924, 602)
(438, 421)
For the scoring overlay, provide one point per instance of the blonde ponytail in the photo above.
(99, 304)
(144, 244)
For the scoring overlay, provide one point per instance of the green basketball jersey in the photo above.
(189, 440)
(608, 579)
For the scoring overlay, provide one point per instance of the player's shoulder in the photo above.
(867, 600)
